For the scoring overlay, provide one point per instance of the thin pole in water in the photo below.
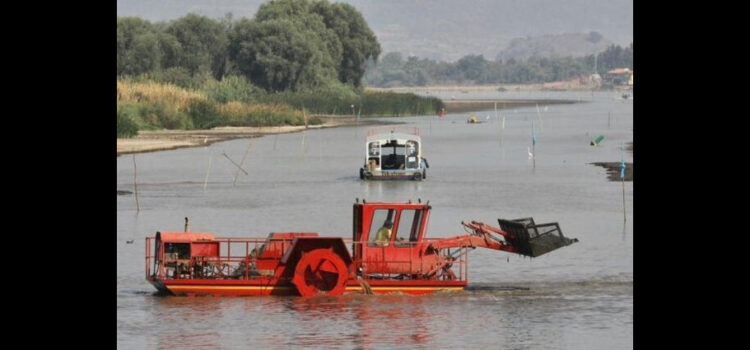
(533, 145)
(304, 115)
(356, 121)
(208, 169)
(235, 164)
(500, 130)
(247, 150)
(533, 137)
(303, 131)
(622, 177)
(609, 119)
(135, 185)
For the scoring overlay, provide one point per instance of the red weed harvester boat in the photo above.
(389, 253)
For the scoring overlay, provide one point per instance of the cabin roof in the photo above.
(393, 136)
(184, 237)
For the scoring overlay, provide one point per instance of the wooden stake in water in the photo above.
(622, 177)
(609, 119)
(356, 120)
(533, 145)
(135, 185)
(235, 164)
(208, 169)
(247, 150)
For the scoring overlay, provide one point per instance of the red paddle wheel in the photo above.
(320, 272)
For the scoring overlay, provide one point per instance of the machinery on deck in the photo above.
(389, 253)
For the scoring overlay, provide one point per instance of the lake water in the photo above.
(578, 297)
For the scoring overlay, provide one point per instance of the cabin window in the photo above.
(174, 251)
(412, 155)
(374, 149)
(373, 156)
(381, 227)
(408, 227)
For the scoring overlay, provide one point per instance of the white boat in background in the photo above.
(394, 153)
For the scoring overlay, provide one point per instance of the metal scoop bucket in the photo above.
(534, 240)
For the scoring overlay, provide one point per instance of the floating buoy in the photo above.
(595, 142)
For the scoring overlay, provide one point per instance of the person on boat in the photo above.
(390, 161)
(383, 237)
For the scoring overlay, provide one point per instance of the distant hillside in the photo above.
(444, 30)
(562, 45)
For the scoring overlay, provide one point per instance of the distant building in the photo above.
(619, 76)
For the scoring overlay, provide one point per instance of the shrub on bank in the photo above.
(232, 88)
(399, 104)
(260, 114)
(235, 101)
(126, 126)
(204, 114)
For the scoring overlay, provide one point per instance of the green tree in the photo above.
(615, 57)
(137, 46)
(358, 42)
(471, 66)
(281, 54)
(202, 44)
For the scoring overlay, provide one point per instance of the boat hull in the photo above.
(393, 175)
(264, 288)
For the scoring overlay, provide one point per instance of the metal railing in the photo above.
(257, 258)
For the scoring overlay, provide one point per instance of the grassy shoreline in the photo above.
(163, 116)
(164, 140)
(144, 104)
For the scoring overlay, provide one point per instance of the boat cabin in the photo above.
(390, 240)
(394, 153)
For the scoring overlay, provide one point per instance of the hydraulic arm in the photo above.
(520, 236)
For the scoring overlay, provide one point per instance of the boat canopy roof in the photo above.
(393, 136)
(394, 132)
(184, 237)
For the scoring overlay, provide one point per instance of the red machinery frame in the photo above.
(302, 263)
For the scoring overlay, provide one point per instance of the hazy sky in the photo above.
(442, 29)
